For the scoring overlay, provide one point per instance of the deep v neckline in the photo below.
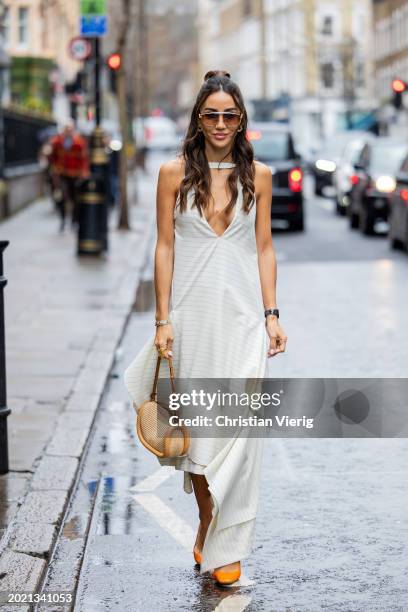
(214, 164)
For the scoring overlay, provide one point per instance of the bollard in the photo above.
(4, 411)
(90, 217)
(92, 200)
(99, 162)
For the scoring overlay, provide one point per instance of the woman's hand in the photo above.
(277, 336)
(164, 340)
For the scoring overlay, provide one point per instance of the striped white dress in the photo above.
(216, 309)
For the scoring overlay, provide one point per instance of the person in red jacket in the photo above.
(69, 160)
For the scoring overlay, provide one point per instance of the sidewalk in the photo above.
(64, 317)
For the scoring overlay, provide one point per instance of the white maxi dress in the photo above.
(216, 310)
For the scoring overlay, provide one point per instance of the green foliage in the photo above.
(30, 83)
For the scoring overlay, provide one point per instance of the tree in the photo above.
(121, 92)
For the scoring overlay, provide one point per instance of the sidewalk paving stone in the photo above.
(64, 318)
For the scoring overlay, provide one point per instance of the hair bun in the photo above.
(215, 73)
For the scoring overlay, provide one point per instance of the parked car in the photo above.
(345, 171)
(374, 182)
(156, 133)
(398, 219)
(273, 145)
(327, 159)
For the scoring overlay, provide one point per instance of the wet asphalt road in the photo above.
(332, 529)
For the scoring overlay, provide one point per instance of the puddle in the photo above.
(75, 527)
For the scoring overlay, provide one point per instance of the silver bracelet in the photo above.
(162, 322)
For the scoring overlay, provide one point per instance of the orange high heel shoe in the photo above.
(197, 556)
(227, 577)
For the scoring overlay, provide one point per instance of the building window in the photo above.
(327, 75)
(327, 25)
(360, 74)
(23, 25)
(247, 8)
(5, 26)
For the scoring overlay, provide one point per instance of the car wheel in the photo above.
(340, 210)
(397, 244)
(354, 220)
(298, 225)
(366, 222)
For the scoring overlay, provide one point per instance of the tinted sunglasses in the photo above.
(210, 118)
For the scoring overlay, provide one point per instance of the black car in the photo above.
(273, 145)
(398, 219)
(374, 182)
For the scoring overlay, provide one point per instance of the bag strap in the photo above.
(153, 394)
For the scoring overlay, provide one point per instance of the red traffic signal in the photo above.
(399, 85)
(114, 61)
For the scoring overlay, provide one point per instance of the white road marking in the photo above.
(235, 603)
(154, 480)
(244, 581)
(167, 519)
(181, 531)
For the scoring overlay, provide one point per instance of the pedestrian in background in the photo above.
(69, 161)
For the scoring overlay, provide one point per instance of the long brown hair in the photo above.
(197, 174)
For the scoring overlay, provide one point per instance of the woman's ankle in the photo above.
(202, 532)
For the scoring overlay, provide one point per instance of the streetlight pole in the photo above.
(93, 225)
(97, 81)
(4, 411)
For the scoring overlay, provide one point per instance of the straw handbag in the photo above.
(152, 423)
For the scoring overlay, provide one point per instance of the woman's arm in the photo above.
(266, 256)
(266, 252)
(167, 187)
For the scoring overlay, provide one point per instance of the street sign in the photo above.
(94, 20)
(94, 25)
(79, 48)
(93, 7)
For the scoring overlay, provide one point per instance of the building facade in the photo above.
(308, 61)
(35, 35)
(390, 45)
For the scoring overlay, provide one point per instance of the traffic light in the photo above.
(398, 87)
(114, 63)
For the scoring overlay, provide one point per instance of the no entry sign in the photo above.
(79, 48)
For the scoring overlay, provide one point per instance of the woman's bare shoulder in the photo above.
(262, 171)
(173, 170)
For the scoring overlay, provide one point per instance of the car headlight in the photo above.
(385, 184)
(325, 165)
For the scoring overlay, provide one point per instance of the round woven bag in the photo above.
(153, 427)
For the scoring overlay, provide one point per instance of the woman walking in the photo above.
(216, 311)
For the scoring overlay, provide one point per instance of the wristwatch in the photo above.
(272, 311)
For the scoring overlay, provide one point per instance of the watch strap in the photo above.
(272, 311)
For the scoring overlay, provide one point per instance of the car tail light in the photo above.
(404, 195)
(295, 180)
(253, 134)
(354, 179)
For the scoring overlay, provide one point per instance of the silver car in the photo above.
(345, 170)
